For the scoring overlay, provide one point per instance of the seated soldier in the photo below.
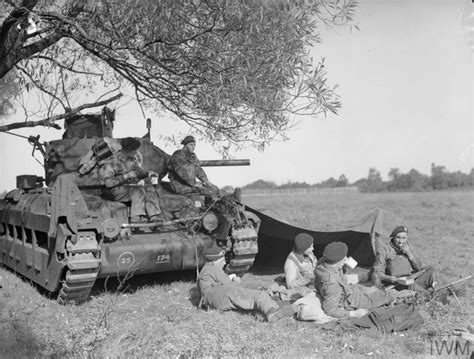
(341, 300)
(300, 264)
(185, 168)
(395, 260)
(220, 292)
(124, 168)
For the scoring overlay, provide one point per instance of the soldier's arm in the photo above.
(109, 177)
(414, 261)
(220, 276)
(291, 276)
(200, 174)
(107, 174)
(379, 266)
(331, 300)
(179, 164)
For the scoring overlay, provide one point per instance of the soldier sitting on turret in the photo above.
(123, 168)
(185, 168)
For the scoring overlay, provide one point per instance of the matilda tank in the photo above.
(59, 231)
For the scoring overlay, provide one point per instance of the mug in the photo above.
(351, 262)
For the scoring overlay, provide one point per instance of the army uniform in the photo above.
(390, 261)
(184, 169)
(114, 173)
(219, 292)
(299, 269)
(339, 298)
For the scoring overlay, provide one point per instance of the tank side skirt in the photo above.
(24, 248)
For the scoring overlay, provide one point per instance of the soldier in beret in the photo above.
(124, 168)
(185, 169)
(300, 263)
(339, 299)
(396, 260)
(220, 292)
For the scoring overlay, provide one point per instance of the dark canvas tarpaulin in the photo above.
(275, 239)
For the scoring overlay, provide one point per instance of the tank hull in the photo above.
(153, 252)
(69, 262)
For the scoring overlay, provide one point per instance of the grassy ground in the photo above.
(157, 316)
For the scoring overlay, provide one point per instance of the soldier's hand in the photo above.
(393, 279)
(152, 174)
(234, 278)
(359, 313)
(407, 252)
(131, 175)
(199, 185)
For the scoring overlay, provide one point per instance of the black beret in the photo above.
(187, 140)
(335, 251)
(398, 229)
(303, 241)
(213, 253)
(129, 143)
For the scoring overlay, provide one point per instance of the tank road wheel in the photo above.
(80, 278)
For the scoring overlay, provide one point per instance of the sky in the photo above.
(406, 86)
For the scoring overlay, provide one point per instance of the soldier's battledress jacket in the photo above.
(390, 261)
(114, 169)
(184, 169)
(339, 298)
(219, 292)
(112, 172)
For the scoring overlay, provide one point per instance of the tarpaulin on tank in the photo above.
(67, 202)
(276, 239)
(63, 156)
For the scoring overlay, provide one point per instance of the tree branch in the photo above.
(50, 120)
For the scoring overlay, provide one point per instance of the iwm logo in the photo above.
(451, 348)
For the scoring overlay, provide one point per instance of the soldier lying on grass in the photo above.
(342, 300)
(220, 292)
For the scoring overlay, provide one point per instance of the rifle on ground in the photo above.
(452, 284)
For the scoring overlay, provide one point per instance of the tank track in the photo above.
(83, 267)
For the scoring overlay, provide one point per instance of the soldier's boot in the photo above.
(274, 314)
(157, 218)
(138, 219)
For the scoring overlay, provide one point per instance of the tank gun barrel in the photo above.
(222, 163)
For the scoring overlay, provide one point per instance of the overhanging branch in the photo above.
(50, 121)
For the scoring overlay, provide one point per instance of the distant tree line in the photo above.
(414, 180)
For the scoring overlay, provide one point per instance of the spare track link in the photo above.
(244, 250)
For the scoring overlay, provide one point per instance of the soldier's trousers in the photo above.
(181, 188)
(368, 298)
(426, 280)
(144, 199)
(232, 297)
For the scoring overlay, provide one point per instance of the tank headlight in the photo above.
(111, 228)
(210, 222)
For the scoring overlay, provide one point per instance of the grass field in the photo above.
(157, 316)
